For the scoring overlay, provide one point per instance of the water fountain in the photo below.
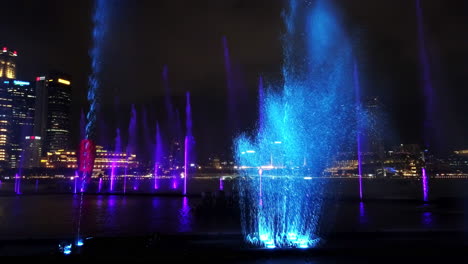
(118, 149)
(132, 140)
(158, 155)
(173, 127)
(82, 124)
(428, 92)
(229, 81)
(304, 125)
(188, 141)
(87, 149)
(17, 184)
(359, 111)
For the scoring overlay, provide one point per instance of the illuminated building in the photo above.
(52, 117)
(5, 120)
(104, 159)
(8, 63)
(459, 162)
(463, 152)
(21, 119)
(342, 168)
(32, 151)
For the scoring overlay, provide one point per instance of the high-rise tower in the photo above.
(8, 63)
(20, 116)
(52, 118)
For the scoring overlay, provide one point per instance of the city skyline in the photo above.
(401, 94)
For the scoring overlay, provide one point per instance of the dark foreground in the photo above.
(378, 247)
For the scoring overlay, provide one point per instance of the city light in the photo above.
(33, 137)
(20, 83)
(79, 243)
(67, 249)
(64, 81)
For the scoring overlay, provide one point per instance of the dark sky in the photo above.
(186, 36)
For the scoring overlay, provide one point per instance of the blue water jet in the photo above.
(305, 124)
(100, 29)
(82, 125)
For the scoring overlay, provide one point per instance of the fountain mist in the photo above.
(305, 125)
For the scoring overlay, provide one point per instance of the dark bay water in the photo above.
(57, 215)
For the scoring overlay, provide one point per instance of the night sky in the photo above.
(187, 36)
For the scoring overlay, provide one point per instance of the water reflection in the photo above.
(363, 220)
(427, 218)
(185, 217)
(110, 219)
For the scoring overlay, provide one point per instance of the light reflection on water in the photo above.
(185, 217)
(362, 214)
(44, 216)
(427, 219)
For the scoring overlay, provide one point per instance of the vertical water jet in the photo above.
(304, 126)
(357, 88)
(428, 92)
(117, 148)
(158, 155)
(132, 139)
(188, 140)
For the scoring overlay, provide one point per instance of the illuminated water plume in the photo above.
(188, 140)
(428, 91)
(132, 140)
(304, 125)
(100, 29)
(158, 156)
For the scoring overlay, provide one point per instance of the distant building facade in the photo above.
(5, 126)
(32, 152)
(104, 159)
(53, 113)
(8, 63)
(21, 116)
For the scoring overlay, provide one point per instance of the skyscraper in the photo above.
(31, 152)
(21, 116)
(8, 63)
(5, 122)
(52, 117)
